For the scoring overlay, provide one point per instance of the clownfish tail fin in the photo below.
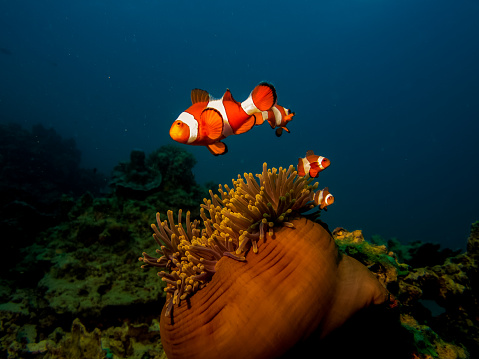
(264, 96)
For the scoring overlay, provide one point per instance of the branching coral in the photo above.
(239, 217)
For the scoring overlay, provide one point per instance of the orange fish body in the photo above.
(207, 121)
(323, 198)
(312, 164)
(277, 117)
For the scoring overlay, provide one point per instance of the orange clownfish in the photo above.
(277, 117)
(207, 121)
(323, 198)
(312, 164)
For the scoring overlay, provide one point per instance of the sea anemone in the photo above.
(259, 277)
(238, 219)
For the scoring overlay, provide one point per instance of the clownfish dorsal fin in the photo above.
(228, 96)
(198, 95)
(309, 153)
(211, 123)
(311, 157)
(217, 148)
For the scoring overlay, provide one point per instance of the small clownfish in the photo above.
(207, 121)
(277, 117)
(323, 198)
(312, 164)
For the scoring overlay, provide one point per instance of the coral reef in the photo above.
(454, 287)
(85, 267)
(77, 291)
(163, 178)
(437, 305)
(417, 254)
(134, 179)
(37, 168)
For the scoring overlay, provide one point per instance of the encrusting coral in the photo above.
(258, 263)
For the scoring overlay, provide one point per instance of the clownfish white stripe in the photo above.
(190, 120)
(319, 198)
(277, 116)
(218, 105)
(306, 165)
(320, 160)
(328, 197)
(248, 106)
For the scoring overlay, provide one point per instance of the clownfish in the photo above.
(207, 121)
(277, 117)
(323, 198)
(312, 164)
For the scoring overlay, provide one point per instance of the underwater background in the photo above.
(387, 90)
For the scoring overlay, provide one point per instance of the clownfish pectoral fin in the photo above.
(246, 126)
(211, 123)
(264, 96)
(217, 148)
(313, 172)
(198, 95)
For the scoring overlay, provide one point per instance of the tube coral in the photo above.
(259, 277)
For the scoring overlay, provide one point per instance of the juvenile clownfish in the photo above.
(207, 121)
(277, 117)
(323, 198)
(312, 164)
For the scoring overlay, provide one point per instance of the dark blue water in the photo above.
(388, 90)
